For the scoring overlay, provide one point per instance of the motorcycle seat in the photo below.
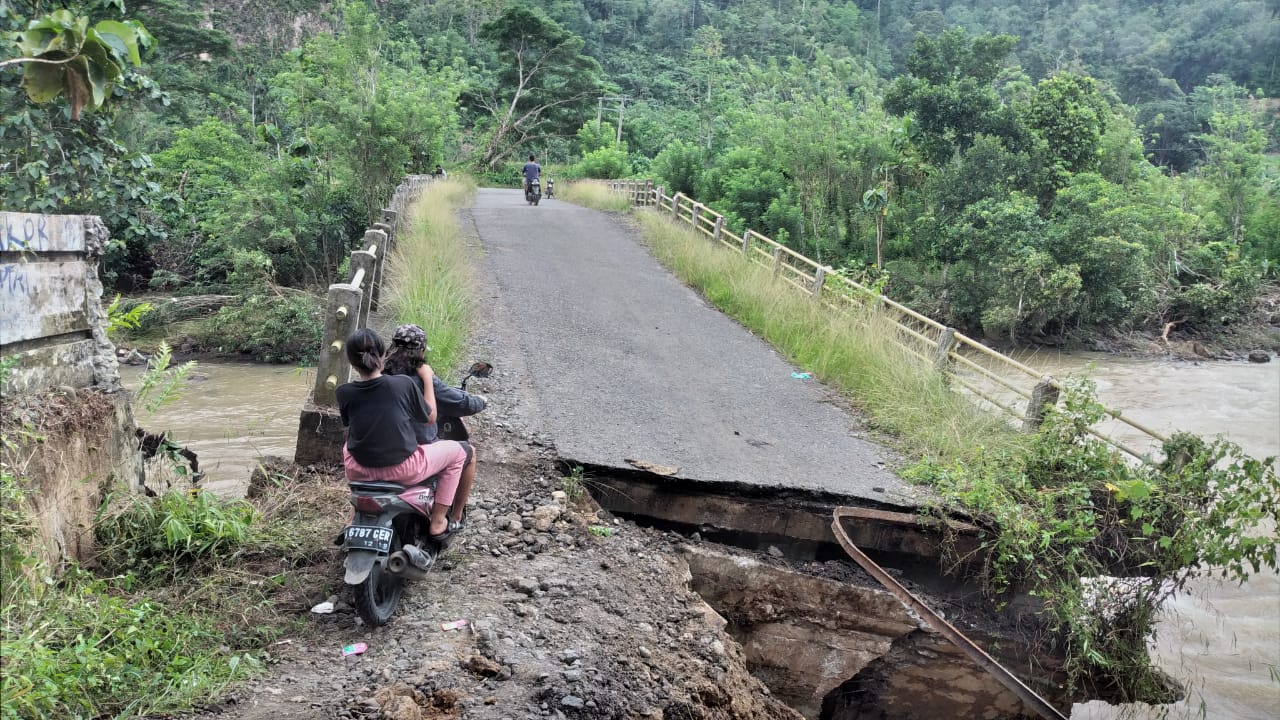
(376, 486)
(387, 486)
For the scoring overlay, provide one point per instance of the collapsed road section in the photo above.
(826, 636)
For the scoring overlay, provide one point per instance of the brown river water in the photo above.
(1223, 640)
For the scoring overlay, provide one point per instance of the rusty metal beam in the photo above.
(975, 653)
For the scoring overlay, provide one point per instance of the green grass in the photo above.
(850, 352)
(592, 194)
(431, 282)
(119, 645)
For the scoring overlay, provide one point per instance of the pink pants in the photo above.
(445, 457)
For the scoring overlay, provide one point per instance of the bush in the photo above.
(604, 164)
(680, 167)
(280, 328)
(1069, 511)
(174, 528)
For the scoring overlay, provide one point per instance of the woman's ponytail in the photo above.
(365, 351)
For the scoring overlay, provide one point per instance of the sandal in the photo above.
(442, 540)
(456, 525)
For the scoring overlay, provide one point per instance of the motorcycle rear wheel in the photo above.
(378, 596)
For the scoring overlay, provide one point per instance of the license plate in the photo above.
(362, 537)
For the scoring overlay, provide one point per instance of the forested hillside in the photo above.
(1027, 171)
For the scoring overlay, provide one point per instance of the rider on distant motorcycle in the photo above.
(382, 414)
(532, 171)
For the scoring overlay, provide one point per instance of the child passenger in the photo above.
(408, 357)
(383, 415)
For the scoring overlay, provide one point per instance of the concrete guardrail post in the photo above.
(942, 354)
(746, 241)
(777, 260)
(675, 206)
(695, 212)
(366, 260)
(1044, 395)
(819, 280)
(718, 230)
(648, 194)
(384, 254)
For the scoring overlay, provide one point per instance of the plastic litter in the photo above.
(801, 376)
(323, 608)
(454, 625)
(354, 649)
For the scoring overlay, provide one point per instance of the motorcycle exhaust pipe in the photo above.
(419, 559)
(398, 563)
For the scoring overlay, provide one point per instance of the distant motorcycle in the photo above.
(386, 543)
(533, 193)
(551, 187)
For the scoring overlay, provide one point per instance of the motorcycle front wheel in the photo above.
(378, 595)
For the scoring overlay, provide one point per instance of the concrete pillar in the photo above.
(777, 260)
(675, 206)
(320, 436)
(746, 241)
(320, 433)
(942, 354)
(718, 230)
(1044, 395)
(380, 235)
(657, 198)
(342, 307)
(819, 279)
(648, 192)
(367, 261)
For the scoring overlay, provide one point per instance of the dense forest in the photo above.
(1026, 171)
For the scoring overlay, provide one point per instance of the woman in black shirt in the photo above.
(382, 414)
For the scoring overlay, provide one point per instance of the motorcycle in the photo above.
(386, 542)
(533, 193)
(551, 188)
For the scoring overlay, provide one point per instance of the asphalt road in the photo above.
(621, 361)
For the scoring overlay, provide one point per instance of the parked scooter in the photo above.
(551, 187)
(534, 192)
(386, 542)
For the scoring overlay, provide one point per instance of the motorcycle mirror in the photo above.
(480, 369)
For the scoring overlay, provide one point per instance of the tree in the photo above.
(365, 102)
(544, 87)
(1069, 112)
(60, 160)
(876, 201)
(949, 92)
(1233, 150)
(63, 55)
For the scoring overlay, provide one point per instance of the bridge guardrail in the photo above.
(348, 307)
(987, 374)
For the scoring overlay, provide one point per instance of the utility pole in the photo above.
(622, 104)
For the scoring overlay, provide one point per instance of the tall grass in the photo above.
(431, 282)
(593, 194)
(854, 352)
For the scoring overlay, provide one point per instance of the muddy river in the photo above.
(1223, 640)
(230, 414)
